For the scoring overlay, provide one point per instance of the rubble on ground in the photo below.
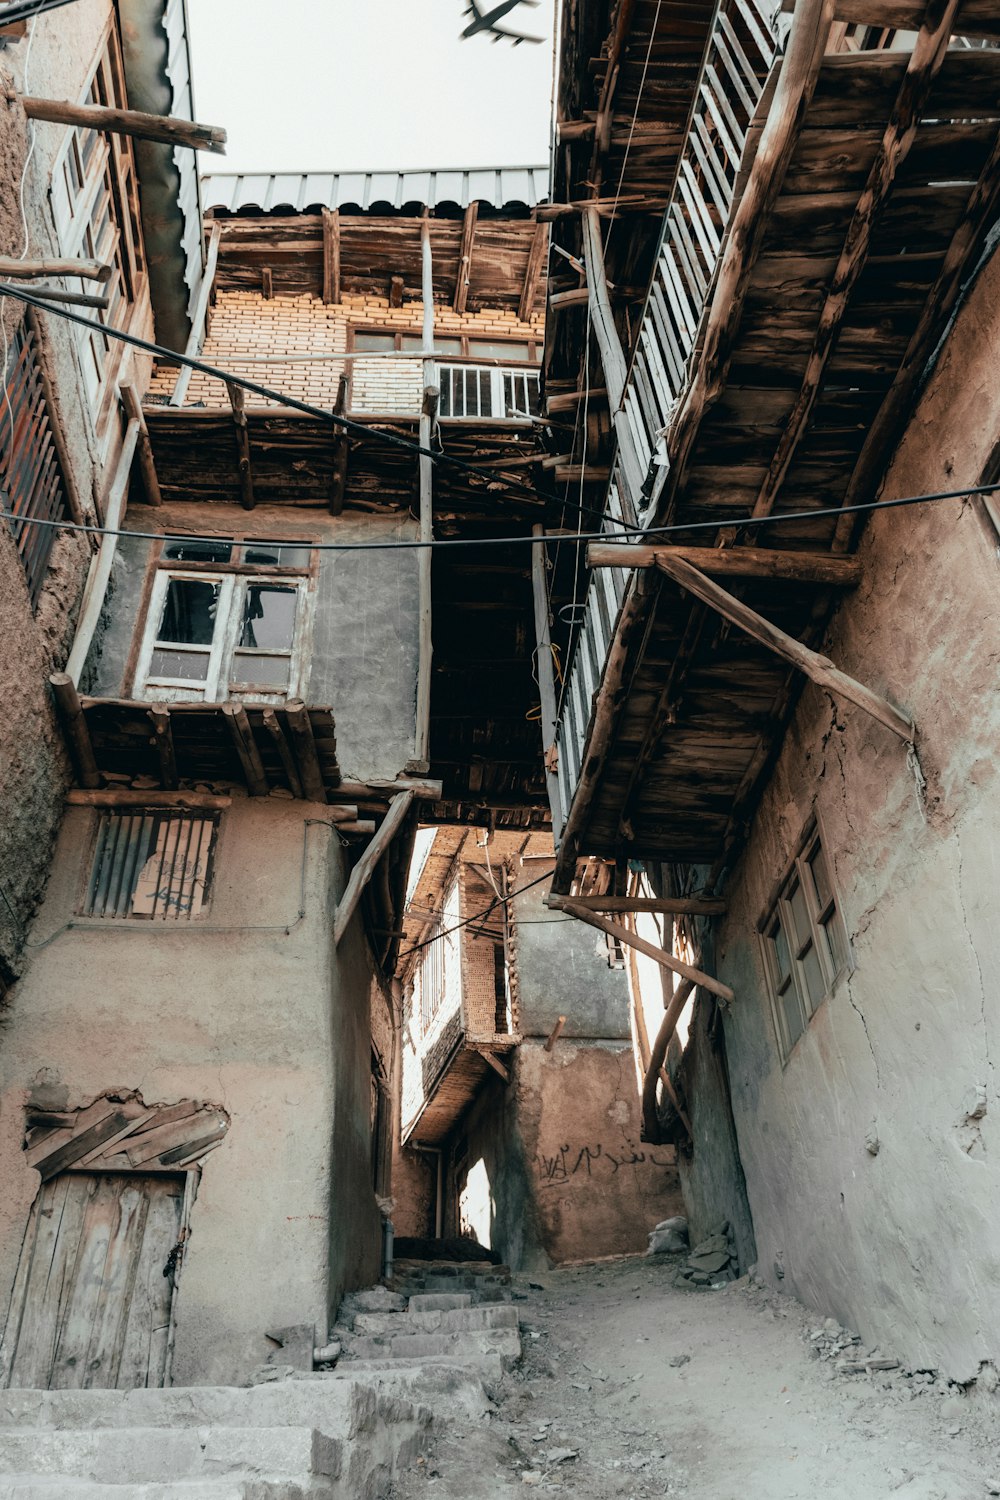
(713, 1262)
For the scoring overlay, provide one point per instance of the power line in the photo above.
(27, 9)
(649, 537)
(476, 916)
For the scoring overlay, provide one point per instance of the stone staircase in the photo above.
(336, 1435)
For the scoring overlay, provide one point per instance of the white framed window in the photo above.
(488, 391)
(804, 943)
(226, 621)
(431, 981)
(151, 864)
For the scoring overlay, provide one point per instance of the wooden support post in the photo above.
(159, 717)
(331, 255)
(74, 723)
(24, 270)
(498, 1067)
(73, 299)
(366, 791)
(573, 296)
(199, 318)
(465, 257)
(357, 828)
(341, 453)
(816, 667)
(395, 291)
(166, 128)
(659, 955)
(739, 562)
(147, 466)
(658, 1057)
(100, 564)
(70, 489)
(545, 673)
(365, 867)
(555, 1034)
(422, 727)
(246, 748)
(569, 400)
(299, 726)
(677, 906)
(533, 272)
(235, 393)
(613, 363)
(273, 726)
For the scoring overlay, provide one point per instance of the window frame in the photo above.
(827, 938)
(165, 816)
(232, 580)
(496, 367)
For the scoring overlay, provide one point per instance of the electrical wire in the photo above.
(476, 916)
(526, 539)
(26, 10)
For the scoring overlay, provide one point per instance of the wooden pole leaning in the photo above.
(613, 360)
(658, 1057)
(24, 270)
(816, 667)
(366, 865)
(422, 724)
(166, 128)
(633, 940)
(147, 466)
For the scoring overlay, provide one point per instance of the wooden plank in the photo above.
(465, 258)
(632, 939)
(929, 51)
(134, 122)
(246, 748)
(689, 906)
(570, 400)
(147, 466)
(159, 717)
(83, 1144)
(740, 562)
(74, 724)
(365, 867)
(533, 272)
(235, 394)
(816, 667)
(341, 453)
(142, 1351)
(498, 1067)
(331, 255)
(199, 317)
(183, 1131)
(299, 726)
(614, 364)
(545, 674)
(423, 789)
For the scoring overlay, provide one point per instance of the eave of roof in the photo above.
(301, 192)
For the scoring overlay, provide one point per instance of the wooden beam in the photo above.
(341, 453)
(425, 466)
(73, 299)
(739, 562)
(159, 717)
(99, 574)
(568, 400)
(267, 283)
(166, 128)
(23, 270)
(395, 291)
(632, 939)
(495, 1063)
(235, 394)
(574, 296)
(533, 272)
(748, 225)
(358, 828)
(978, 18)
(365, 867)
(70, 488)
(929, 52)
(273, 726)
(546, 677)
(127, 797)
(818, 669)
(465, 257)
(609, 208)
(300, 728)
(363, 791)
(331, 255)
(588, 473)
(658, 1057)
(74, 722)
(605, 111)
(555, 1034)
(246, 748)
(684, 906)
(147, 466)
(614, 364)
(196, 337)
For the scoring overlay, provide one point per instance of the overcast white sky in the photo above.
(323, 85)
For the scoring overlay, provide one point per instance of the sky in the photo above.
(349, 85)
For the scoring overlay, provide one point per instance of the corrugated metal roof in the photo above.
(299, 191)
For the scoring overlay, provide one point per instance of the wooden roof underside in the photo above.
(703, 707)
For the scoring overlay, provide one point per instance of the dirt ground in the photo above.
(732, 1394)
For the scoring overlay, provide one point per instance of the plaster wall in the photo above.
(363, 662)
(249, 1008)
(563, 970)
(872, 1157)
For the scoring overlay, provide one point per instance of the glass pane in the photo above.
(187, 550)
(189, 612)
(375, 343)
(791, 1012)
(485, 394)
(257, 669)
(796, 899)
(780, 945)
(499, 349)
(268, 617)
(815, 979)
(192, 666)
(276, 555)
(835, 942)
(821, 877)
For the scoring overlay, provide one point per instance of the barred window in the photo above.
(151, 864)
(31, 482)
(804, 942)
(432, 980)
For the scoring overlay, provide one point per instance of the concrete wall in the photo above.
(563, 970)
(250, 1008)
(364, 654)
(902, 1057)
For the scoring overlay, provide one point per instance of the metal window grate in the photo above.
(31, 483)
(151, 865)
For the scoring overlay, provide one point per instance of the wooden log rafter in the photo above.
(272, 724)
(658, 1058)
(241, 733)
(299, 726)
(929, 52)
(632, 939)
(331, 255)
(366, 865)
(465, 257)
(144, 447)
(243, 465)
(163, 736)
(74, 722)
(684, 906)
(739, 562)
(165, 128)
(24, 270)
(816, 667)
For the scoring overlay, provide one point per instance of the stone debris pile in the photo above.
(832, 1342)
(713, 1262)
(669, 1236)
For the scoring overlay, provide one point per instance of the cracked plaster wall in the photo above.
(872, 1158)
(251, 1009)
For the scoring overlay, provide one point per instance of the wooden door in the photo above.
(91, 1303)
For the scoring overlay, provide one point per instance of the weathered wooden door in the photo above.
(91, 1303)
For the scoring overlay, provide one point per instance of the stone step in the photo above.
(334, 1404)
(503, 1341)
(455, 1320)
(31, 1487)
(163, 1455)
(439, 1301)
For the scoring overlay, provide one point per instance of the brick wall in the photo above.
(246, 326)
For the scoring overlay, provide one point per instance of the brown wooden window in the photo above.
(804, 943)
(151, 864)
(31, 483)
